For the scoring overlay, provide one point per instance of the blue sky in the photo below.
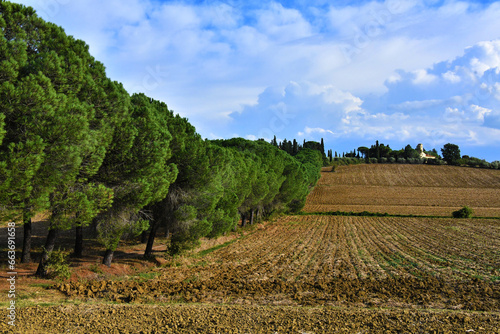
(351, 72)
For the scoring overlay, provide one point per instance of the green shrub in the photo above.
(57, 265)
(464, 212)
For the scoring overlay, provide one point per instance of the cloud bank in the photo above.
(403, 71)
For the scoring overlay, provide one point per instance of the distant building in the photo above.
(420, 149)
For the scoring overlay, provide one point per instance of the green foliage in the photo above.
(451, 153)
(464, 212)
(137, 168)
(57, 264)
(118, 222)
(61, 113)
(312, 162)
(474, 162)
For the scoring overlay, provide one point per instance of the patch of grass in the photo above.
(191, 279)
(294, 222)
(173, 263)
(148, 276)
(198, 264)
(96, 269)
(24, 296)
(41, 285)
(213, 249)
(437, 259)
(398, 261)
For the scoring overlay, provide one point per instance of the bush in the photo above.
(57, 265)
(464, 212)
(484, 164)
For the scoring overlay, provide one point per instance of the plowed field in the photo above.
(307, 274)
(337, 261)
(407, 189)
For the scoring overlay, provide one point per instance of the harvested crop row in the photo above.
(403, 200)
(407, 190)
(412, 176)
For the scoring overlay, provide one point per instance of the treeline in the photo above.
(292, 147)
(75, 144)
(380, 153)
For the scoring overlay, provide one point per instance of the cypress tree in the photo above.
(295, 147)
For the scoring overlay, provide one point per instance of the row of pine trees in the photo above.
(76, 145)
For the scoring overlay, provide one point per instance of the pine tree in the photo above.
(188, 154)
(55, 135)
(138, 170)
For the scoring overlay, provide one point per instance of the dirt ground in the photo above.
(210, 318)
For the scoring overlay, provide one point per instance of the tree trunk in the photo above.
(108, 257)
(152, 235)
(26, 255)
(251, 217)
(78, 241)
(144, 237)
(243, 220)
(49, 247)
(94, 227)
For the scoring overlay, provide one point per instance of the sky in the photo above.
(351, 72)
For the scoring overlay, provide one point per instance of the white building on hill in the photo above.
(420, 149)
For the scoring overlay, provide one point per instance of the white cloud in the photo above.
(299, 107)
(309, 131)
(451, 77)
(480, 112)
(401, 73)
(422, 77)
(282, 24)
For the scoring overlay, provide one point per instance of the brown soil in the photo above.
(203, 318)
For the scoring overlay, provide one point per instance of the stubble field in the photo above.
(407, 190)
(315, 273)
